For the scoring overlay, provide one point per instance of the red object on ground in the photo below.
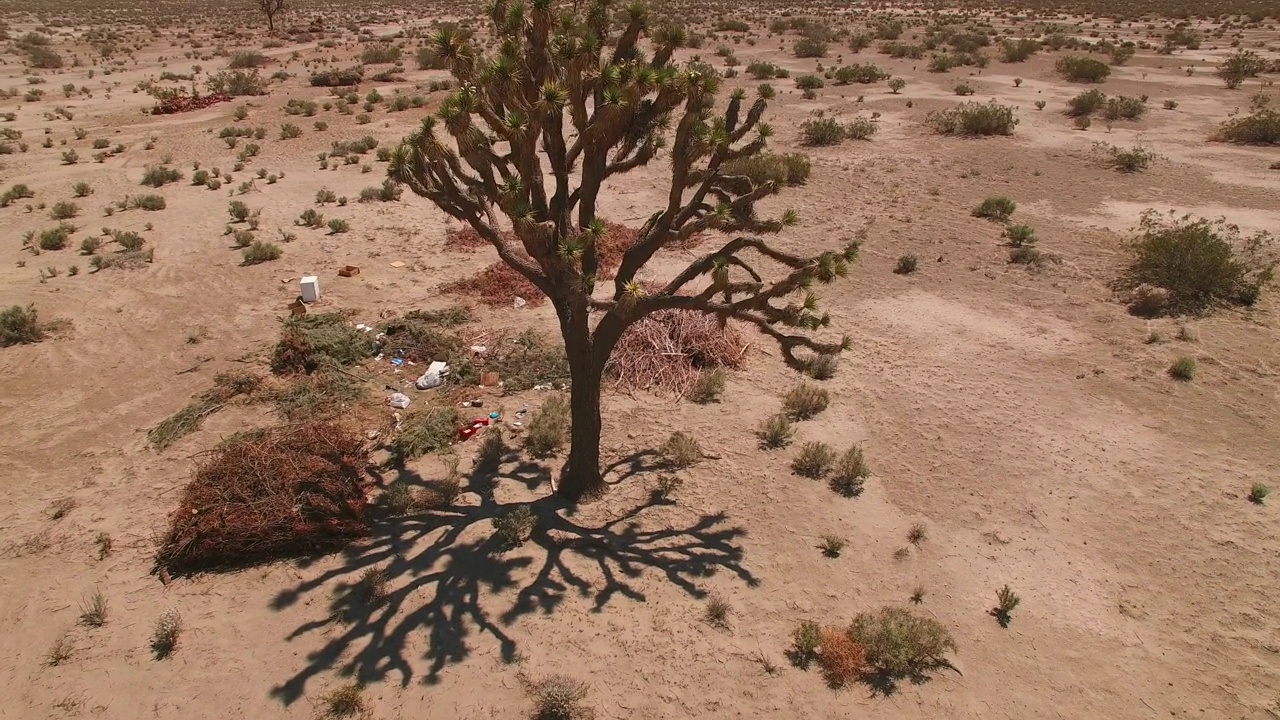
(467, 431)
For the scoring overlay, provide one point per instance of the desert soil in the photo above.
(1020, 415)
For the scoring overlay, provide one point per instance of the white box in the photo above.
(310, 286)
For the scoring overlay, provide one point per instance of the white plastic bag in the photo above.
(398, 400)
(433, 377)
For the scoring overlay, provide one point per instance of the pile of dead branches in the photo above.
(187, 103)
(667, 351)
(269, 494)
(497, 285)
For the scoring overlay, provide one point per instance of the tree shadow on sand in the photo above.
(439, 565)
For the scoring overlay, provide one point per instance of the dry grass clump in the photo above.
(93, 613)
(269, 494)
(707, 388)
(775, 432)
(497, 285)
(717, 611)
(669, 350)
(164, 636)
(343, 701)
(559, 697)
(814, 461)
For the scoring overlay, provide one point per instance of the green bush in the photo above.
(1184, 369)
(973, 118)
(791, 169)
(159, 175)
(761, 70)
(17, 192)
(549, 427)
(995, 207)
(810, 48)
(775, 432)
(902, 50)
(822, 132)
(1012, 51)
(1086, 103)
(1240, 66)
(809, 82)
(237, 83)
(260, 252)
(805, 401)
(344, 77)
(850, 473)
(56, 238)
(1260, 128)
(1200, 264)
(907, 264)
(64, 210)
(1078, 68)
(899, 643)
(1124, 108)
(864, 74)
(814, 461)
(19, 325)
(247, 59)
(380, 54)
(430, 433)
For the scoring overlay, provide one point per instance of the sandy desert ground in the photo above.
(1019, 414)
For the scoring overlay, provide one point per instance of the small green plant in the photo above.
(814, 461)
(260, 252)
(64, 210)
(337, 226)
(1184, 369)
(81, 189)
(896, 84)
(159, 175)
(996, 208)
(548, 428)
(668, 484)
(1020, 235)
(238, 211)
(805, 641)
(906, 265)
(805, 401)
(917, 595)
(775, 432)
(973, 118)
(513, 528)
(850, 473)
(1258, 493)
(832, 545)
(311, 218)
(1006, 601)
(917, 534)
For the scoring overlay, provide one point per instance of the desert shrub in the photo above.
(810, 48)
(809, 82)
(761, 70)
(559, 697)
(964, 89)
(717, 611)
(1124, 108)
(269, 494)
(246, 59)
(790, 169)
(841, 658)
(19, 326)
(1026, 255)
(548, 428)
(805, 641)
(814, 461)
(1241, 65)
(380, 54)
(775, 432)
(1012, 51)
(1260, 128)
(90, 245)
(973, 118)
(942, 63)
(1258, 493)
(899, 643)
(1200, 263)
(300, 107)
(681, 450)
(864, 74)
(164, 636)
(429, 433)
(805, 401)
(64, 210)
(1006, 601)
(896, 84)
(311, 218)
(344, 701)
(850, 473)
(150, 203)
(309, 342)
(159, 175)
(56, 238)
(43, 58)
(1020, 235)
(389, 191)
(1184, 369)
(822, 131)
(707, 388)
(906, 265)
(129, 240)
(343, 77)
(1078, 68)
(289, 131)
(237, 83)
(337, 226)
(902, 50)
(93, 613)
(260, 252)
(1086, 103)
(1134, 159)
(861, 128)
(996, 207)
(514, 527)
(17, 192)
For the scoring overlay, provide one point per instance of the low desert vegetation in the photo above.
(1006, 601)
(343, 701)
(559, 697)
(850, 473)
(1130, 160)
(805, 401)
(515, 527)
(20, 326)
(1078, 68)
(996, 207)
(549, 428)
(165, 633)
(973, 119)
(814, 460)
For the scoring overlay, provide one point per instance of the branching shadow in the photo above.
(884, 683)
(441, 565)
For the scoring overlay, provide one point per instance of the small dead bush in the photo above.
(548, 428)
(841, 658)
(681, 450)
(559, 697)
(344, 701)
(164, 636)
(269, 494)
(717, 611)
(707, 388)
(805, 401)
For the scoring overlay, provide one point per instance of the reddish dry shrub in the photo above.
(499, 284)
(840, 658)
(669, 349)
(269, 494)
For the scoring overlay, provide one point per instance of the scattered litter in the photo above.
(372, 434)
(349, 271)
(398, 400)
(397, 264)
(489, 379)
(471, 403)
(434, 376)
(467, 431)
(520, 302)
(397, 361)
(297, 307)
(479, 349)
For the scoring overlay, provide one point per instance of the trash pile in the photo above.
(187, 103)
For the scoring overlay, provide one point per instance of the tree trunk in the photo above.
(271, 22)
(581, 476)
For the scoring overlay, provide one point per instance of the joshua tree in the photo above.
(271, 8)
(568, 100)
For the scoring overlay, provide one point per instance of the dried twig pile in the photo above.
(187, 103)
(269, 494)
(667, 350)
